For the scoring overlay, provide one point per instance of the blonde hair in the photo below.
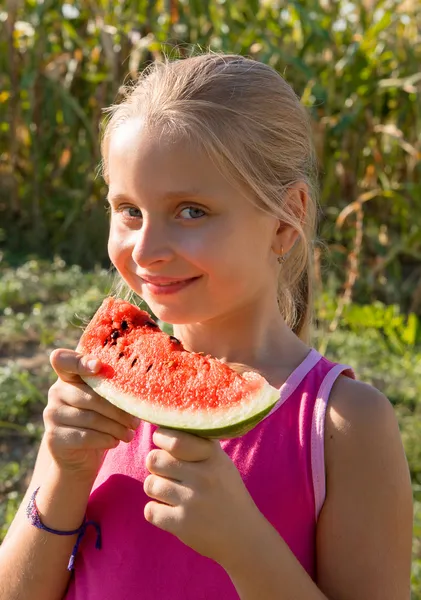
(252, 124)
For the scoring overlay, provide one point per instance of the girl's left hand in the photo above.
(200, 496)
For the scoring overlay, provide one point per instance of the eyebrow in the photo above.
(168, 196)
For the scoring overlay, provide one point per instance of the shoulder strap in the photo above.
(317, 433)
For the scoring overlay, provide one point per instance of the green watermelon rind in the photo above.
(263, 401)
(232, 431)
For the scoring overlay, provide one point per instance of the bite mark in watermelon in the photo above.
(149, 374)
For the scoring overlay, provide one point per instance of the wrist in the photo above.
(71, 475)
(64, 502)
(63, 497)
(248, 547)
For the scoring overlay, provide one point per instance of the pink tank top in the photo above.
(281, 462)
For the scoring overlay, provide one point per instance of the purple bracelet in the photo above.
(33, 515)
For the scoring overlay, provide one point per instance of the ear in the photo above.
(296, 199)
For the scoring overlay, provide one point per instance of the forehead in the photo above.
(147, 161)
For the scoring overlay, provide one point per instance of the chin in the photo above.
(172, 315)
(180, 315)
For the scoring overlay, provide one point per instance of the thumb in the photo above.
(70, 365)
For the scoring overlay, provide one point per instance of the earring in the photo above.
(282, 257)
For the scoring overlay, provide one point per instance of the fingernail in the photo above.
(93, 365)
(135, 422)
(130, 435)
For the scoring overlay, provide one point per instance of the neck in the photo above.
(255, 335)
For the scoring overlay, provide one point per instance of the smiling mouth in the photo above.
(166, 281)
(156, 288)
(169, 284)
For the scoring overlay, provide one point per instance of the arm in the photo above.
(80, 427)
(365, 528)
(47, 554)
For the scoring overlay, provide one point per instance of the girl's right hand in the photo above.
(80, 425)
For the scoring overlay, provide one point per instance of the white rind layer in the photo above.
(195, 418)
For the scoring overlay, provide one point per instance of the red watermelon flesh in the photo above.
(149, 374)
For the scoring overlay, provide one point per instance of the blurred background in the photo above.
(355, 65)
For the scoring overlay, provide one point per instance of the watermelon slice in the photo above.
(149, 374)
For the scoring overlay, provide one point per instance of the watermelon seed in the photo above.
(115, 335)
(174, 339)
(151, 324)
(124, 325)
(134, 362)
(121, 355)
(149, 368)
(105, 342)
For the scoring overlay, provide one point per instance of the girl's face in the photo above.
(174, 217)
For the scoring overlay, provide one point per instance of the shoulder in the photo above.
(357, 408)
(362, 434)
(364, 531)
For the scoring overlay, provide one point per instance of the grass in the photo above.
(43, 305)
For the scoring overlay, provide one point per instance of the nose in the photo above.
(152, 244)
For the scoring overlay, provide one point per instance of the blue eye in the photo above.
(194, 211)
(133, 212)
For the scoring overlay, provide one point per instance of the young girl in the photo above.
(211, 187)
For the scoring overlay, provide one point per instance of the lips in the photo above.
(165, 280)
(165, 287)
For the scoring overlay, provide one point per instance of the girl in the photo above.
(211, 187)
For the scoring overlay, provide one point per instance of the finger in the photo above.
(70, 416)
(161, 462)
(70, 365)
(81, 396)
(184, 446)
(164, 490)
(76, 438)
(162, 516)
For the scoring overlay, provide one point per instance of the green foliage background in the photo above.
(355, 65)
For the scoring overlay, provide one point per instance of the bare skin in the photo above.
(174, 215)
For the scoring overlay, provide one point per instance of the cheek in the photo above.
(206, 245)
(118, 246)
(235, 270)
(229, 254)
(113, 252)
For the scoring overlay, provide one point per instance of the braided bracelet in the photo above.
(33, 515)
